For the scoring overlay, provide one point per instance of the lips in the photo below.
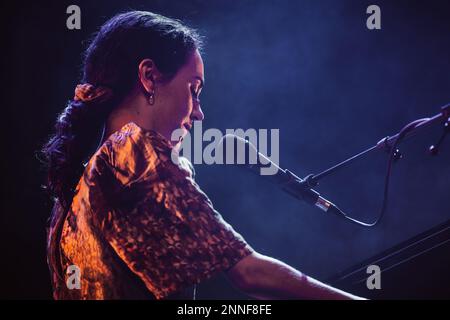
(187, 126)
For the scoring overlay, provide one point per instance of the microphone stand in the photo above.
(389, 145)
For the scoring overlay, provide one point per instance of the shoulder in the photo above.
(186, 165)
(133, 153)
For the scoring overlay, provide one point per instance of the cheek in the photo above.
(179, 112)
(185, 105)
(179, 106)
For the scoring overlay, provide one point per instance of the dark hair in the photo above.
(111, 60)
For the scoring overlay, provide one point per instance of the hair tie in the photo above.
(88, 93)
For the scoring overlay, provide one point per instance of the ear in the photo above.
(148, 74)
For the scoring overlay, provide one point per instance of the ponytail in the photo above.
(76, 130)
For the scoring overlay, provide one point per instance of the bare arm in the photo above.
(263, 277)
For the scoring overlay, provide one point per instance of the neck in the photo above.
(129, 110)
(116, 120)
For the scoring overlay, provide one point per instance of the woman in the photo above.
(136, 225)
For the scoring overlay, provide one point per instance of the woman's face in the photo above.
(177, 101)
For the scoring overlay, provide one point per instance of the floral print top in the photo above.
(139, 225)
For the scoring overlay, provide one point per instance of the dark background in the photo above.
(310, 68)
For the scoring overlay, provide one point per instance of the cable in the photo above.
(393, 154)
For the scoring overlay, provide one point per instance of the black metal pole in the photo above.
(386, 143)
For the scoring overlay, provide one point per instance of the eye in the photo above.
(195, 93)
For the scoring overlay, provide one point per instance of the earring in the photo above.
(151, 98)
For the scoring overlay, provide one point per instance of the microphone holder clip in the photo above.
(434, 149)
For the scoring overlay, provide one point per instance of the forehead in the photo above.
(194, 66)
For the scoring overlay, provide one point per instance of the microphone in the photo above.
(287, 180)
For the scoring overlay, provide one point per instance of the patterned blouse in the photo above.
(139, 226)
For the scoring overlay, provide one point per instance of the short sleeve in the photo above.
(163, 226)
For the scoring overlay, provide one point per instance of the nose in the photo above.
(197, 113)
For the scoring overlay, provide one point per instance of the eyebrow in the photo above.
(202, 82)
